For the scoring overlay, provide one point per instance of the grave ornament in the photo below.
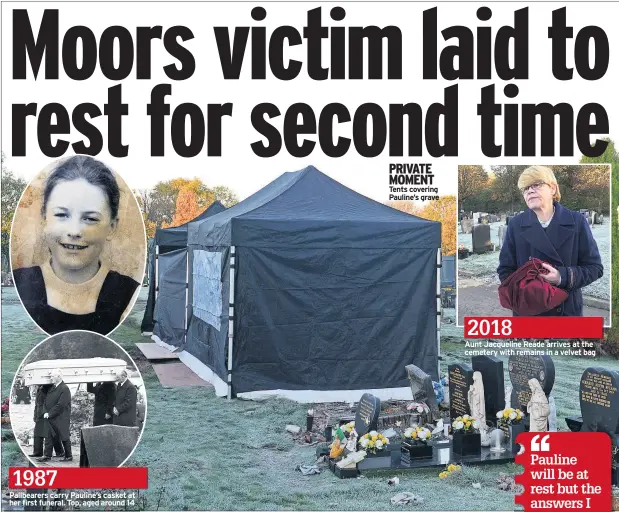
(538, 408)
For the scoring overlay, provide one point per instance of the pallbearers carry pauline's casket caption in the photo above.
(126, 401)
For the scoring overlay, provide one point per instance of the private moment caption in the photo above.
(285, 53)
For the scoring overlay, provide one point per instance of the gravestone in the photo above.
(522, 368)
(366, 417)
(466, 226)
(599, 400)
(481, 238)
(491, 370)
(422, 388)
(460, 380)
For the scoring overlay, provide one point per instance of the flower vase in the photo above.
(467, 444)
(385, 452)
(416, 450)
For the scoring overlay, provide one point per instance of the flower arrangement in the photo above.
(347, 428)
(5, 410)
(510, 416)
(418, 407)
(373, 442)
(452, 468)
(465, 424)
(417, 434)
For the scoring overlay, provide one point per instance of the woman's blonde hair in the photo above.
(537, 173)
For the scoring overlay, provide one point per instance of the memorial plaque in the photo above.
(522, 368)
(368, 410)
(491, 370)
(422, 388)
(599, 400)
(460, 380)
(481, 238)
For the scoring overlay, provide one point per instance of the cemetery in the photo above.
(476, 421)
(224, 445)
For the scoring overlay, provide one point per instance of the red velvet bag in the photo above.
(527, 293)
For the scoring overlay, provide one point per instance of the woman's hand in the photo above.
(553, 276)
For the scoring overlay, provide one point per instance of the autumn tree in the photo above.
(443, 210)
(505, 187)
(186, 208)
(159, 203)
(471, 179)
(405, 206)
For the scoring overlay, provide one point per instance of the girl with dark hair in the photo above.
(74, 289)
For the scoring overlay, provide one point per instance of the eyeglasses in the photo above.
(534, 187)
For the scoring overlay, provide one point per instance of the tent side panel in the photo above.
(333, 319)
(169, 317)
(209, 280)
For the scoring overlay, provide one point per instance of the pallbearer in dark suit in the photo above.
(126, 401)
(39, 421)
(105, 394)
(58, 415)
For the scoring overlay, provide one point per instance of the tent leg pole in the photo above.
(231, 320)
(156, 271)
(439, 264)
(186, 295)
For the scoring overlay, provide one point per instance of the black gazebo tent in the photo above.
(310, 290)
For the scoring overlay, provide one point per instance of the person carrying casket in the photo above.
(559, 237)
(126, 401)
(57, 407)
(105, 394)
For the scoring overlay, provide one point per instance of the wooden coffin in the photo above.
(74, 371)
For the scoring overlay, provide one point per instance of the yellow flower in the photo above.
(414, 435)
(468, 424)
(506, 414)
(371, 444)
(443, 474)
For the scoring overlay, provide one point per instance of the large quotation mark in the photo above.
(544, 446)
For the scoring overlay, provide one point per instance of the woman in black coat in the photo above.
(554, 234)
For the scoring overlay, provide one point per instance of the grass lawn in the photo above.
(204, 452)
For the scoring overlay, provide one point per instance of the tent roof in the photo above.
(310, 209)
(177, 235)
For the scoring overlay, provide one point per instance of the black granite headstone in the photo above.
(422, 388)
(491, 370)
(460, 380)
(481, 238)
(523, 368)
(599, 400)
(366, 417)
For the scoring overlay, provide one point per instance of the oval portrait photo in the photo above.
(78, 247)
(78, 399)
